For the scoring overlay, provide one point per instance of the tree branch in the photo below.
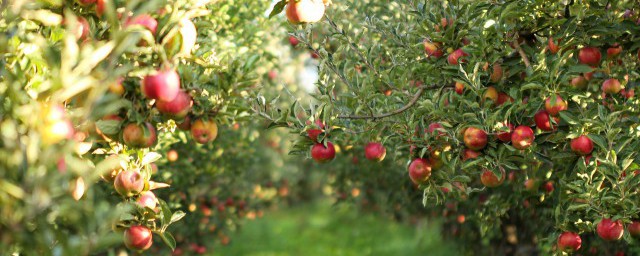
(523, 55)
(413, 101)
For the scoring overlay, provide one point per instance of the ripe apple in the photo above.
(176, 109)
(628, 94)
(144, 20)
(579, 82)
(543, 121)
(186, 124)
(314, 55)
(204, 131)
(531, 185)
(163, 85)
(548, 186)
(589, 75)
(611, 86)
(147, 199)
(554, 105)
(614, 51)
(505, 136)
(419, 170)
(590, 56)
(432, 49)
(491, 93)
(172, 155)
(634, 228)
(322, 154)
(129, 183)
(138, 238)
(293, 41)
(436, 127)
(569, 242)
(491, 180)
(470, 154)
(305, 11)
(116, 87)
(100, 7)
(522, 137)
(459, 87)
(610, 230)
(139, 135)
(553, 47)
(582, 145)
(475, 138)
(454, 57)
(496, 75)
(374, 151)
(55, 125)
(503, 98)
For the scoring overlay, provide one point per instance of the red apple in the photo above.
(491, 180)
(503, 98)
(496, 75)
(553, 47)
(204, 131)
(579, 82)
(419, 170)
(548, 186)
(186, 124)
(322, 154)
(470, 154)
(543, 121)
(163, 85)
(611, 86)
(293, 41)
(128, 183)
(314, 55)
(531, 185)
(522, 137)
(176, 109)
(436, 127)
(491, 93)
(454, 57)
(554, 105)
(614, 51)
(505, 136)
(569, 242)
(314, 132)
(147, 199)
(432, 49)
(100, 7)
(610, 230)
(582, 145)
(144, 20)
(459, 87)
(628, 94)
(305, 11)
(86, 2)
(590, 56)
(634, 228)
(139, 135)
(138, 238)
(374, 151)
(475, 138)
(589, 75)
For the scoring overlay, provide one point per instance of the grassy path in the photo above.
(324, 230)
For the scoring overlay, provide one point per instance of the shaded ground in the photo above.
(325, 230)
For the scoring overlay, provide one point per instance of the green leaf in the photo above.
(598, 140)
(176, 216)
(109, 127)
(168, 239)
(277, 9)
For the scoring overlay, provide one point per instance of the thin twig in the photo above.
(523, 55)
(413, 101)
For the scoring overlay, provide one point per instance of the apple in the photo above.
(314, 55)
(374, 151)
(522, 137)
(172, 155)
(531, 185)
(553, 47)
(543, 121)
(496, 75)
(420, 170)
(459, 87)
(554, 105)
(611, 86)
(186, 124)
(128, 183)
(569, 242)
(590, 56)
(178, 108)
(322, 154)
(491, 180)
(204, 131)
(628, 94)
(470, 154)
(138, 238)
(634, 228)
(100, 7)
(144, 20)
(163, 85)
(304, 11)
(86, 2)
(491, 93)
(54, 126)
(589, 75)
(614, 51)
(610, 230)
(579, 82)
(436, 127)
(147, 199)
(293, 41)
(582, 145)
(475, 138)
(454, 57)
(432, 49)
(139, 135)
(503, 98)
(116, 87)
(548, 186)
(505, 136)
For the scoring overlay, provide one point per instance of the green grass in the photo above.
(321, 229)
